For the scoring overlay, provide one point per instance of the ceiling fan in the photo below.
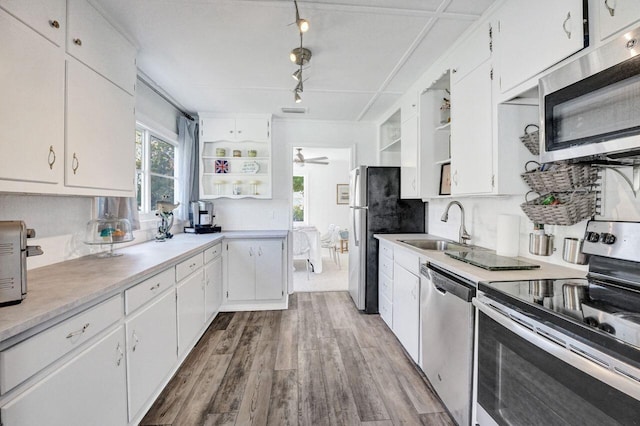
(299, 159)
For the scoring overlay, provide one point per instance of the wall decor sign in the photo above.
(445, 179)
(342, 193)
(222, 166)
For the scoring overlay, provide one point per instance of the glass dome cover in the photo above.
(108, 231)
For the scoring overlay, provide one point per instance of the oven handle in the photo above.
(587, 366)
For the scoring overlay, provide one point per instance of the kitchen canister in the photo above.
(572, 251)
(221, 152)
(508, 238)
(252, 153)
(540, 244)
(237, 153)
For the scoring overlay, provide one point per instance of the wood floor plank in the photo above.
(436, 419)
(256, 318)
(194, 411)
(265, 357)
(312, 399)
(396, 401)
(254, 407)
(342, 407)
(307, 327)
(287, 356)
(233, 333)
(324, 326)
(363, 387)
(229, 395)
(337, 309)
(271, 325)
(293, 302)
(283, 407)
(222, 320)
(223, 419)
(303, 297)
(173, 396)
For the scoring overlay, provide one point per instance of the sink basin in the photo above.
(437, 245)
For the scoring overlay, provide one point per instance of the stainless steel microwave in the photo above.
(590, 108)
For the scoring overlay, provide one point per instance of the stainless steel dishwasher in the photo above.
(447, 337)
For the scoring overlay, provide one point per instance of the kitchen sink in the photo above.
(437, 245)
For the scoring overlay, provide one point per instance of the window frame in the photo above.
(305, 202)
(148, 212)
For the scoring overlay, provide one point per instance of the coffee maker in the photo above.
(202, 218)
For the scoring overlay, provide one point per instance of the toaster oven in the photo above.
(13, 260)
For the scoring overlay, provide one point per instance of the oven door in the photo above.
(527, 379)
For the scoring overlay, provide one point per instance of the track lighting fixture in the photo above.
(299, 55)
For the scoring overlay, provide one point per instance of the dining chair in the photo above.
(301, 248)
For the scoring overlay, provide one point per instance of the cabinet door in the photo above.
(151, 350)
(90, 389)
(190, 310)
(100, 132)
(614, 15)
(92, 40)
(471, 133)
(32, 106)
(241, 270)
(269, 271)
(252, 129)
(409, 159)
(213, 287)
(47, 17)
(406, 309)
(218, 129)
(535, 35)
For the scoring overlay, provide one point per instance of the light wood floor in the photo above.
(319, 363)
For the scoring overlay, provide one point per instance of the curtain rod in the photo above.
(169, 101)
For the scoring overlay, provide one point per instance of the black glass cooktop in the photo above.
(490, 261)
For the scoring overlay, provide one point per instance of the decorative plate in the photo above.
(250, 167)
(222, 166)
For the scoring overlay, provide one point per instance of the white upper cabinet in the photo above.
(99, 151)
(534, 35)
(614, 15)
(409, 154)
(93, 41)
(475, 50)
(32, 106)
(47, 17)
(235, 129)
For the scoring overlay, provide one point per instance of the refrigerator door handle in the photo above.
(355, 189)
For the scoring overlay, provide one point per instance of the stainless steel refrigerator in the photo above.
(376, 208)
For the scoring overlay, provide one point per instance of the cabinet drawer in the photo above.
(212, 252)
(386, 266)
(408, 260)
(386, 249)
(23, 360)
(386, 311)
(189, 266)
(147, 290)
(385, 284)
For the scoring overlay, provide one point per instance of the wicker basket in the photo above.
(531, 140)
(563, 178)
(573, 208)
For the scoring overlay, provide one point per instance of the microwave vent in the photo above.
(6, 283)
(6, 249)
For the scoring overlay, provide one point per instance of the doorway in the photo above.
(319, 178)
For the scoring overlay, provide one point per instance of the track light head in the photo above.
(297, 74)
(297, 97)
(303, 25)
(300, 56)
(299, 87)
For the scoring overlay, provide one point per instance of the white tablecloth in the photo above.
(315, 254)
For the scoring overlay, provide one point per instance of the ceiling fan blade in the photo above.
(316, 162)
(316, 158)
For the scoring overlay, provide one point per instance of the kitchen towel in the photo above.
(508, 239)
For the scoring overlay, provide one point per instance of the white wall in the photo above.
(276, 213)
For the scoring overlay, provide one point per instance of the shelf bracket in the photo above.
(633, 182)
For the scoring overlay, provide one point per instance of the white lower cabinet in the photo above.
(90, 389)
(151, 350)
(254, 270)
(191, 313)
(213, 287)
(406, 309)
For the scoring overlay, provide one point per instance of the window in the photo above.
(155, 169)
(300, 199)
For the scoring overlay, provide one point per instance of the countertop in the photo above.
(477, 274)
(64, 288)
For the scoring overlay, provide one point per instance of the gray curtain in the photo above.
(188, 171)
(120, 207)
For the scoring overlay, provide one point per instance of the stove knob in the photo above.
(607, 328)
(608, 238)
(593, 237)
(593, 322)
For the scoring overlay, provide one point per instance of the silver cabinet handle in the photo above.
(120, 355)
(54, 24)
(259, 251)
(77, 42)
(155, 287)
(51, 159)
(251, 251)
(75, 163)
(134, 336)
(455, 177)
(78, 332)
(612, 10)
(564, 25)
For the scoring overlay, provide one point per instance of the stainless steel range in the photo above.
(565, 351)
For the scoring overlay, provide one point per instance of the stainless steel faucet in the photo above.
(464, 235)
